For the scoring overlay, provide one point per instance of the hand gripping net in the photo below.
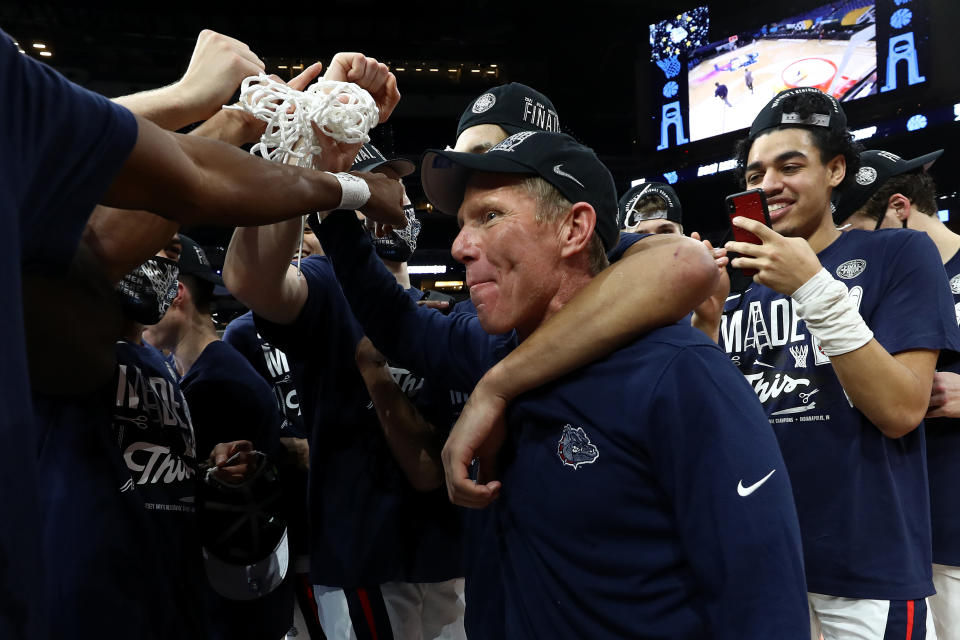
(341, 110)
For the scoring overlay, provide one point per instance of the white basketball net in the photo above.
(341, 110)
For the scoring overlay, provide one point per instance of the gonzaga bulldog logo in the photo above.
(575, 447)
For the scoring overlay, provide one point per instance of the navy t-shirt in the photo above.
(456, 349)
(644, 496)
(121, 551)
(361, 530)
(62, 147)
(230, 401)
(862, 498)
(273, 366)
(943, 459)
(627, 239)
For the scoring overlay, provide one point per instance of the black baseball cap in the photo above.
(774, 115)
(369, 158)
(515, 107)
(876, 167)
(194, 262)
(575, 170)
(628, 204)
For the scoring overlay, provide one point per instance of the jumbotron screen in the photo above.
(679, 34)
(832, 47)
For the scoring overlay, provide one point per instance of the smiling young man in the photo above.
(838, 337)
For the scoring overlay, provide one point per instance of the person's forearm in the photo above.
(257, 268)
(233, 127)
(893, 392)
(654, 287)
(412, 440)
(122, 239)
(199, 181)
(166, 107)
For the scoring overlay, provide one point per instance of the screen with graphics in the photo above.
(833, 48)
(669, 38)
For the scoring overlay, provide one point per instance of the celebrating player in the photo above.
(839, 337)
(893, 193)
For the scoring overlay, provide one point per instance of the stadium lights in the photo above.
(39, 45)
(863, 134)
(46, 54)
(727, 165)
(426, 268)
(634, 183)
(944, 215)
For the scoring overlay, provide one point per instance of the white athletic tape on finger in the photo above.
(824, 304)
(341, 110)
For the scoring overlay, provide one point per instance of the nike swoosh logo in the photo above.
(559, 172)
(745, 491)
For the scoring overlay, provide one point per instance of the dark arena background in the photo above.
(634, 80)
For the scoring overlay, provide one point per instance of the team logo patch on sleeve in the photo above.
(575, 447)
(851, 269)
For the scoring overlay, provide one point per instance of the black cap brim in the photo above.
(402, 167)
(209, 276)
(855, 196)
(444, 174)
(925, 161)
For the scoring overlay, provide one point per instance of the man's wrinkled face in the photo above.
(786, 164)
(480, 138)
(512, 261)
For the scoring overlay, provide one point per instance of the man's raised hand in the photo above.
(218, 66)
(368, 74)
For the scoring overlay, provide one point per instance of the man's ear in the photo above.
(183, 294)
(836, 170)
(577, 229)
(901, 206)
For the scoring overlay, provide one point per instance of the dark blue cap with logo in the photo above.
(369, 158)
(515, 107)
(573, 169)
(628, 215)
(776, 113)
(876, 167)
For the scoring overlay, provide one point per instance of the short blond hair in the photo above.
(552, 206)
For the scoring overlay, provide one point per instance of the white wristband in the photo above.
(355, 192)
(824, 304)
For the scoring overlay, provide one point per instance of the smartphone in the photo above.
(749, 204)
